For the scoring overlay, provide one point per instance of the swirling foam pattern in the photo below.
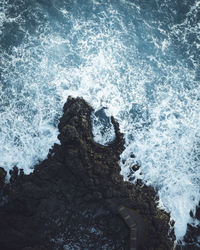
(138, 59)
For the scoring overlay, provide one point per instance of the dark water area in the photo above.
(136, 60)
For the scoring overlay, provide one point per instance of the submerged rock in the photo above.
(71, 199)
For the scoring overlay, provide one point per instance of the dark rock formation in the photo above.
(70, 201)
(193, 233)
(2, 177)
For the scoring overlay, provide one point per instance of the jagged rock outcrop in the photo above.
(191, 237)
(71, 199)
(2, 177)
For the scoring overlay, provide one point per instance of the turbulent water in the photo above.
(137, 60)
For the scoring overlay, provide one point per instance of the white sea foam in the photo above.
(117, 59)
(102, 128)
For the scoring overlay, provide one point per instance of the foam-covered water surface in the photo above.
(136, 60)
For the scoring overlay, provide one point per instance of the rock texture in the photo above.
(2, 177)
(71, 199)
(192, 237)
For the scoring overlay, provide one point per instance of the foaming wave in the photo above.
(118, 58)
(102, 128)
(168, 152)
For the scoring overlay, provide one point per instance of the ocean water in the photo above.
(136, 60)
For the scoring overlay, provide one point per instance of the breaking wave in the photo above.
(137, 61)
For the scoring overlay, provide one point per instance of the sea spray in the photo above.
(138, 61)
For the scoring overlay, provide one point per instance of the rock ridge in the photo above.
(71, 199)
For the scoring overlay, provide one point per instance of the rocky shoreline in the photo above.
(71, 199)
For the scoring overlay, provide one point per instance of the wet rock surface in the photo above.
(2, 177)
(71, 199)
(192, 237)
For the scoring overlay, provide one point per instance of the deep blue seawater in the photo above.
(138, 59)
